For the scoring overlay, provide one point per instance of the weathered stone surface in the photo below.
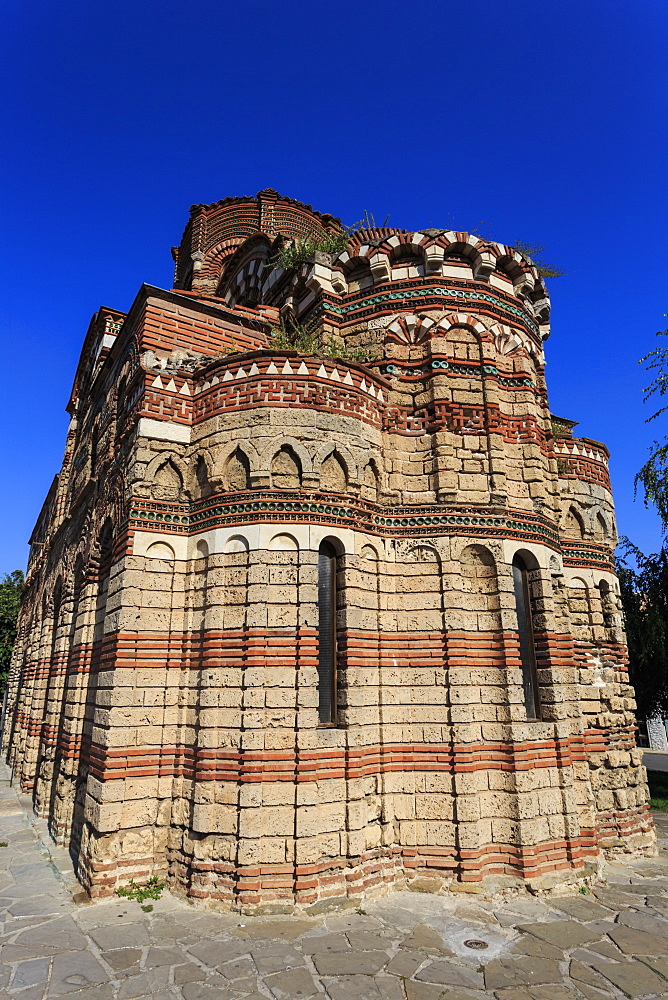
(581, 908)
(281, 929)
(189, 973)
(30, 973)
(123, 959)
(210, 989)
(561, 933)
(325, 944)
(214, 953)
(291, 984)
(528, 945)
(423, 938)
(581, 973)
(647, 922)
(51, 937)
(521, 971)
(144, 984)
(632, 978)
(637, 942)
(360, 988)
(364, 963)
(405, 963)
(274, 958)
(538, 993)
(197, 955)
(450, 974)
(364, 941)
(120, 936)
(75, 970)
(423, 991)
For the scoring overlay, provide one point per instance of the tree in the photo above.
(654, 474)
(644, 594)
(644, 590)
(11, 588)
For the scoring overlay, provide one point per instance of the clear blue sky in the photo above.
(547, 120)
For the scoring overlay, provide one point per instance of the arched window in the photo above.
(526, 638)
(326, 634)
(93, 449)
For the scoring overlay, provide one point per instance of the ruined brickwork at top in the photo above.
(301, 626)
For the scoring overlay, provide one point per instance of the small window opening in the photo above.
(326, 634)
(526, 638)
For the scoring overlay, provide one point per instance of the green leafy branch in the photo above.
(149, 890)
(654, 474)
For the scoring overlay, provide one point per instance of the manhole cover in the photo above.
(476, 944)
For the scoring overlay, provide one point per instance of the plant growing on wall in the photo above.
(294, 253)
(291, 336)
(535, 254)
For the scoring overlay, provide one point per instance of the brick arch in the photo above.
(327, 449)
(451, 320)
(507, 340)
(161, 459)
(213, 262)
(224, 454)
(275, 446)
(246, 269)
(408, 328)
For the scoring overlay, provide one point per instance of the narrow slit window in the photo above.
(526, 639)
(326, 634)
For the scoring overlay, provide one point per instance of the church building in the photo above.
(323, 600)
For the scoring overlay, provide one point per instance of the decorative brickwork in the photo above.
(193, 695)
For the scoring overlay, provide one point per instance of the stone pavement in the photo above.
(611, 942)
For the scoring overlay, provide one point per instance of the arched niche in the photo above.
(286, 469)
(480, 587)
(161, 550)
(204, 487)
(237, 471)
(283, 542)
(236, 543)
(370, 481)
(574, 526)
(334, 474)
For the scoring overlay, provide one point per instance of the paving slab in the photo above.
(644, 921)
(450, 974)
(364, 963)
(291, 983)
(561, 933)
(636, 942)
(425, 938)
(524, 971)
(581, 908)
(635, 979)
(74, 970)
(538, 993)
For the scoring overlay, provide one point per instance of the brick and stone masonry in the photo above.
(299, 627)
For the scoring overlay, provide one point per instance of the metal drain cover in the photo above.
(476, 944)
